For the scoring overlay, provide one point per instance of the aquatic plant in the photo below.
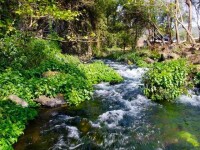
(189, 138)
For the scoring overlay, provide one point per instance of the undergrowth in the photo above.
(13, 119)
(138, 57)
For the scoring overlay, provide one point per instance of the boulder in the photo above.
(149, 60)
(165, 56)
(17, 100)
(186, 54)
(173, 56)
(51, 102)
(195, 59)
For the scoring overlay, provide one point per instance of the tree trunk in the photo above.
(182, 24)
(169, 24)
(188, 32)
(189, 4)
(199, 32)
(89, 52)
(98, 39)
(198, 17)
(176, 23)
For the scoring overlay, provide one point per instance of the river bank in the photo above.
(50, 80)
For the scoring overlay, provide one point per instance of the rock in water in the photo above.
(149, 61)
(18, 101)
(50, 102)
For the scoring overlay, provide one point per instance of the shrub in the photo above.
(167, 80)
(39, 50)
(12, 126)
(13, 82)
(12, 51)
(22, 52)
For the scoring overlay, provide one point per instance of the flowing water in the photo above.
(119, 117)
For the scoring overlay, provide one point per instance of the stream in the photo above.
(118, 118)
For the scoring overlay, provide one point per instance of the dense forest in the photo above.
(88, 27)
(51, 53)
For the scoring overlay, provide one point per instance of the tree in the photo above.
(37, 14)
(181, 22)
(189, 4)
(176, 22)
(196, 4)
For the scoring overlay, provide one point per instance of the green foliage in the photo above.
(131, 57)
(167, 80)
(124, 39)
(23, 65)
(99, 72)
(7, 21)
(13, 82)
(21, 52)
(11, 51)
(39, 9)
(134, 58)
(41, 56)
(154, 55)
(39, 50)
(12, 122)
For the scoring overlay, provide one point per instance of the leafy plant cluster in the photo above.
(22, 73)
(102, 74)
(20, 51)
(13, 119)
(167, 80)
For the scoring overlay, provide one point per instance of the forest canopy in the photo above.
(86, 27)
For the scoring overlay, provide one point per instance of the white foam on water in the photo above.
(116, 96)
(60, 143)
(194, 100)
(95, 125)
(65, 117)
(131, 108)
(135, 73)
(75, 147)
(112, 118)
(103, 86)
(73, 132)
